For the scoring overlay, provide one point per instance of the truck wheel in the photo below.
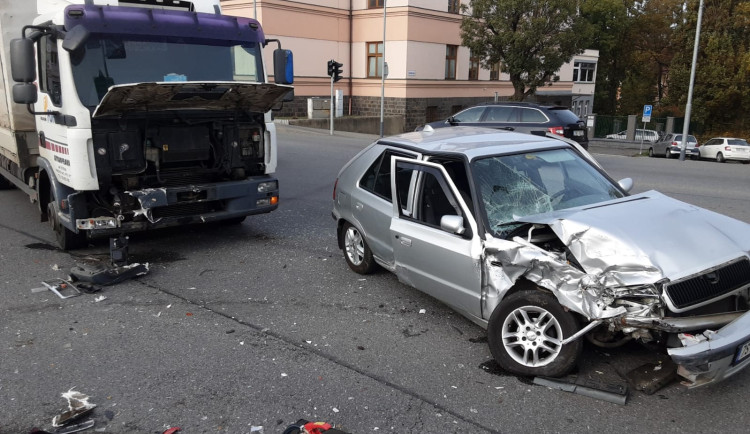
(525, 334)
(356, 251)
(66, 239)
(5, 184)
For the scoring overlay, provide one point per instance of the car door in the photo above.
(441, 263)
(710, 148)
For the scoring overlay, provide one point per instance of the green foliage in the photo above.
(721, 95)
(532, 39)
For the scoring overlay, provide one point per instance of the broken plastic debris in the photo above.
(256, 429)
(172, 430)
(56, 267)
(78, 405)
(335, 410)
(101, 298)
(62, 288)
(284, 375)
(422, 310)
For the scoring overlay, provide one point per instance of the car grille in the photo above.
(709, 284)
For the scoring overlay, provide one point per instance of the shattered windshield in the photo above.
(107, 60)
(518, 185)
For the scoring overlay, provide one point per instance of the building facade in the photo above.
(429, 74)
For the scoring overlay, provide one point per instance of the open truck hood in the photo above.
(648, 231)
(151, 97)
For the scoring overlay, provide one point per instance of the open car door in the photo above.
(435, 242)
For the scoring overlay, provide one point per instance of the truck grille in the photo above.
(187, 209)
(709, 284)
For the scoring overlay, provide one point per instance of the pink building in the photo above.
(430, 75)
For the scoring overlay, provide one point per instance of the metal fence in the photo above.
(606, 125)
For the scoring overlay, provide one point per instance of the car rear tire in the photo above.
(667, 155)
(525, 335)
(720, 158)
(356, 251)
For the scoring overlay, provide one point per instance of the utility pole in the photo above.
(689, 106)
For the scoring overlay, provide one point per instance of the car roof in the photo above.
(522, 104)
(472, 142)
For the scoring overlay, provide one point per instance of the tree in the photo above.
(532, 38)
(721, 95)
(612, 21)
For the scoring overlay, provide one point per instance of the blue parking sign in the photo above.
(647, 110)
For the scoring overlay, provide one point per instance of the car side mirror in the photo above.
(453, 224)
(451, 120)
(626, 184)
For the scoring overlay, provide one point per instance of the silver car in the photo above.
(528, 237)
(670, 146)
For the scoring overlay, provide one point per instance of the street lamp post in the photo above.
(689, 106)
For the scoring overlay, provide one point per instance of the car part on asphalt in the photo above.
(616, 394)
(78, 406)
(651, 377)
(62, 288)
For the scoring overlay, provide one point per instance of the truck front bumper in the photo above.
(199, 203)
(724, 354)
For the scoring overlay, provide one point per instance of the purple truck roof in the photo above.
(142, 21)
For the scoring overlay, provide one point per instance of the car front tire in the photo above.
(356, 251)
(525, 335)
(651, 152)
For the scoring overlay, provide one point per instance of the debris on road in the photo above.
(62, 288)
(108, 275)
(614, 393)
(78, 405)
(303, 426)
(172, 430)
(651, 377)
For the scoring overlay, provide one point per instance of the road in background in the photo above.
(262, 323)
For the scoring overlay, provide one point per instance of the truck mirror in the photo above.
(75, 38)
(24, 93)
(22, 65)
(283, 66)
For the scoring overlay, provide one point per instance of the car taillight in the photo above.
(560, 131)
(675, 144)
(727, 148)
(335, 184)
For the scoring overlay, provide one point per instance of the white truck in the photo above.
(129, 115)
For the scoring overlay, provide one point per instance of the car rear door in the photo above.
(440, 263)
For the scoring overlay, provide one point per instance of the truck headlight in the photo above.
(268, 186)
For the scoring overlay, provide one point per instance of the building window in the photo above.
(451, 53)
(374, 59)
(584, 72)
(473, 67)
(373, 4)
(454, 6)
(431, 114)
(495, 71)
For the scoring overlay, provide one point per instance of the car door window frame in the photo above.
(419, 167)
(378, 171)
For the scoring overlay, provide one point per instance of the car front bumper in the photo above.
(717, 358)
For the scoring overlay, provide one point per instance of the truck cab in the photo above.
(147, 116)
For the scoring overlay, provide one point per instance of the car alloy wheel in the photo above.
(526, 331)
(357, 253)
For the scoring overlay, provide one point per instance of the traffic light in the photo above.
(334, 70)
(337, 71)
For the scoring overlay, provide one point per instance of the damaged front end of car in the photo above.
(688, 292)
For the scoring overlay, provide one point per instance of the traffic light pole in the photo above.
(331, 104)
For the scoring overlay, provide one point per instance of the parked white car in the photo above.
(726, 148)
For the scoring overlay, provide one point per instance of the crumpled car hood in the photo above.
(150, 97)
(647, 231)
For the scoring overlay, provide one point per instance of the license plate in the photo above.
(578, 133)
(743, 352)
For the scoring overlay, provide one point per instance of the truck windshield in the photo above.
(107, 60)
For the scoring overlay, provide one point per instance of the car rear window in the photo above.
(738, 142)
(565, 115)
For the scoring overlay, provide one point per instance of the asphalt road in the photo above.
(261, 324)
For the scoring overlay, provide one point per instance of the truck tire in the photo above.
(66, 239)
(5, 184)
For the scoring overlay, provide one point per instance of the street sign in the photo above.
(647, 113)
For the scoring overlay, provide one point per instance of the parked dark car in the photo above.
(520, 117)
